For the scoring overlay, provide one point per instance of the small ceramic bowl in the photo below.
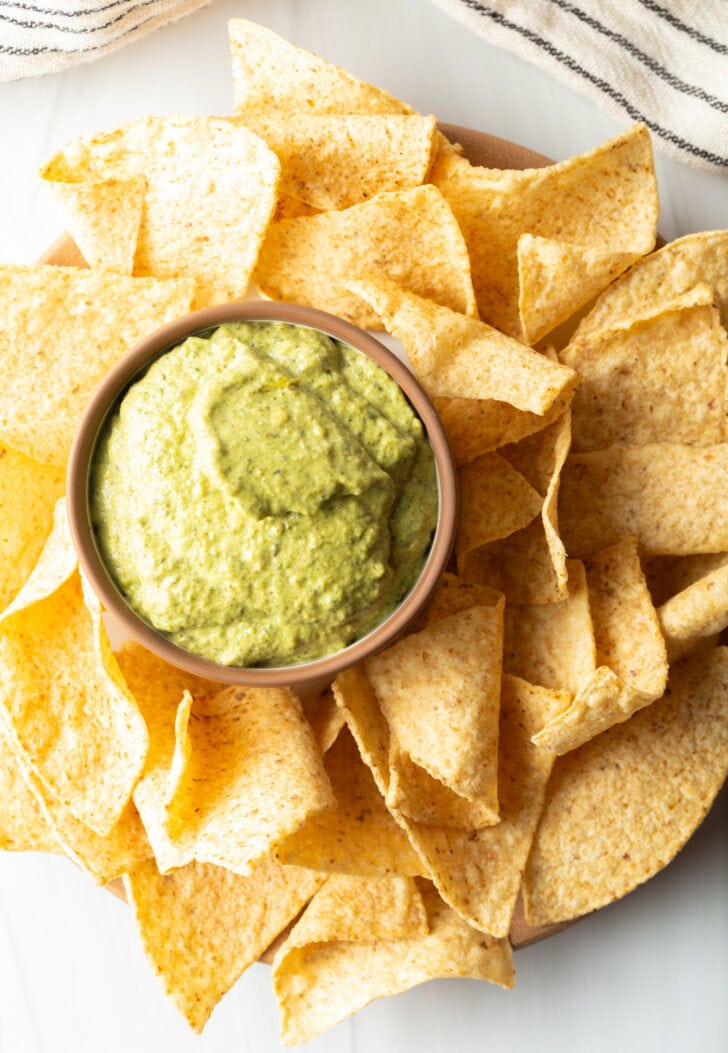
(105, 400)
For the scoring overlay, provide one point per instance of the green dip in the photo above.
(264, 495)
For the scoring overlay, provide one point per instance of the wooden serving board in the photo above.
(480, 149)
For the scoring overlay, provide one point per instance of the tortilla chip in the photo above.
(320, 982)
(621, 806)
(202, 926)
(333, 162)
(604, 201)
(47, 383)
(325, 718)
(272, 75)
(358, 836)
(666, 495)
(556, 279)
(478, 873)
(458, 357)
(105, 216)
(411, 236)
(668, 575)
(28, 492)
(158, 689)
(454, 595)
(495, 501)
(66, 706)
(209, 191)
(23, 827)
(529, 566)
(553, 644)
(630, 652)
(699, 611)
(661, 377)
(450, 671)
(245, 775)
(478, 426)
(663, 276)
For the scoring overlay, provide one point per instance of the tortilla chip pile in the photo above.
(556, 724)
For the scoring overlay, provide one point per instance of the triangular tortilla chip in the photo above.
(459, 357)
(409, 235)
(202, 926)
(23, 827)
(320, 979)
(620, 807)
(495, 501)
(94, 317)
(658, 378)
(556, 279)
(478, 426)
(342, 160)
(104, 215)
(661, 277)
(605, 199)
(209, 192)
(246, 774)
(449, 671)
(28, 493)
(630, 652)
(698, 612)
(271, 74)
(64, 700)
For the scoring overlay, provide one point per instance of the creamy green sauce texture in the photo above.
(265, 495)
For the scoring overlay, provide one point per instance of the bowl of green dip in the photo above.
(262, 493)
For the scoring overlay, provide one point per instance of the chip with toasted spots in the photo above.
(201, 926)
(410, 234)
(324, 971)
(697, 613)
(599, 208)
(619, 808)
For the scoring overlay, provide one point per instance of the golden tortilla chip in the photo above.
(658, 378)
(620, 807)
(663, 276)
(458, 357)
(696, 613)
(602, 204)
(105, 216)
(410, 235)
(668, 496)
(319, 982)
(529, 566)
(668, 575)
(23, 827)
(556, 279)
(478, 426)
(630, 652)
(28, 492)
(454, 595)
(333, 162)
(325, 718)
(358, 836)
(94, 318)
(63, 696)
(451, 672)
(271, 74)
(202, 926)
(478, 873)
(245, 775)
(158, 689)
(209, 191)
(495, 501)
(553, 644)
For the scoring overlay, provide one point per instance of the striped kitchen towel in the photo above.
(43, 36)
(665, 63)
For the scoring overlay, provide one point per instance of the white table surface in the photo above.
(649, 974)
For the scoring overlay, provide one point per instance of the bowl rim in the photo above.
(111, 390)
